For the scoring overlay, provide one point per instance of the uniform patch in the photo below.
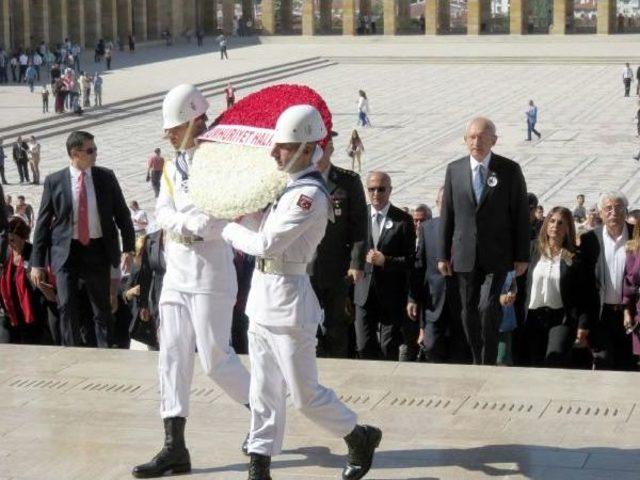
(305, 202)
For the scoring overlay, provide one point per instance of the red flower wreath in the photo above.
(262, 108)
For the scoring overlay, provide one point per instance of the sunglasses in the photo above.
(377, 189)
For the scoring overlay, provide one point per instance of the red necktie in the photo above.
(83, 211)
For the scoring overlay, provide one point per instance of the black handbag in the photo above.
(144, 332)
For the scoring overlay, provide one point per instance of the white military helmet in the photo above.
(182, 104)
(299, 124)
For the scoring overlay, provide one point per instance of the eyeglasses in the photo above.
(612, 208)
(89, 151)
(377, 189)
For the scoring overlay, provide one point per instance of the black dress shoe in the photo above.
(362, 443)
(174, 456)
(259, 467)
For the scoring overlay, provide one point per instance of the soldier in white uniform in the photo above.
(283, 310)
(198, 293)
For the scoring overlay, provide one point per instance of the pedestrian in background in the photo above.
(355, 150)
(155, 165)
(363, 109)
(627, 78)
(97, 90)
(34, 159)
(222, 41)
(230, 95)
(45, 99)
(532, 119)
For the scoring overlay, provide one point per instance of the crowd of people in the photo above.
(395, 304)
(484, 277)
(57, 70)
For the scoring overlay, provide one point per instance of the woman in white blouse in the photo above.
(363, 109)
(557, 318)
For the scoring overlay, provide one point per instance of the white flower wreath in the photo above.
(227, 181)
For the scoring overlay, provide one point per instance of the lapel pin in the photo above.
(492, 181)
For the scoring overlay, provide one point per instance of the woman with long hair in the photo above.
(355, 150)
(363, 109)
(630, 290)
(557, 315)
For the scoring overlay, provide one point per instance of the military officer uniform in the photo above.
(341, 249)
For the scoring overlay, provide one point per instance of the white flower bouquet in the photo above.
(228, 180)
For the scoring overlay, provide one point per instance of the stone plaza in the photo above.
(77, 414)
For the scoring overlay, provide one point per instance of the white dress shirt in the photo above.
(545, 284)
(615, 258)
(95, 229)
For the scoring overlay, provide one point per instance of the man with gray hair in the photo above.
(485, 234)
(420, 213)
(603, 249)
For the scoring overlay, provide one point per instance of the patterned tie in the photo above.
(182, 166)
(375, 231)
(83, 211)
(478, 182)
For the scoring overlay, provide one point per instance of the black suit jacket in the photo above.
(397, 243)
(429, 288)
(493, 233)
(343, 245)
(592, 253)
(54, 227)
(576, 286)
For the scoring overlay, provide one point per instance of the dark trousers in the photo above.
(481, 312)
(223, 53)
(334, 331)
(627, 86)
(611, 346)
(3, 74)
(85, 266)
(23, 170)
(548, 339)
(156, 176)
(383, 330)
(444, 339)
(4, 180)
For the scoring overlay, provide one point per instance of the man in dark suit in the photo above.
(604, 253)
(340, 256)
(80, 209)
(381, 296)
(434, 299)
(485, 234)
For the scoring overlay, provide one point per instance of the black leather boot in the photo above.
(259, 467)
(174, 456)
(362, 443)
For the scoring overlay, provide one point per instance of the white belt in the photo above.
(279, 267)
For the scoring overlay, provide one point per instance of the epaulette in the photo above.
(345, 171)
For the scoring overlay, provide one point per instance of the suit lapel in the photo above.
(467, 179)
(383, 227)
(331, 186)
(67, 192)
(95, 175)
(492, 171)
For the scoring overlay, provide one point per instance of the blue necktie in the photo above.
(478, 182)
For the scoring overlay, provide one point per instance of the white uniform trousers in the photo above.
(188, 321)
(283, 359)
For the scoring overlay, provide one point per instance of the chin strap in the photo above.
(295, 157)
